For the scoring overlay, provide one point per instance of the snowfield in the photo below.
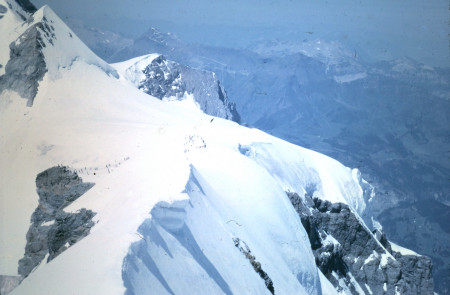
(185, 203)
(88, 120)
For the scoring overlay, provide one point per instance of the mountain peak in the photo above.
(44, 45)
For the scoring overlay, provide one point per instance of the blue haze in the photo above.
(380, 30)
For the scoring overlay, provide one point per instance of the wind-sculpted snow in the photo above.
(189, 246)
(304, 174)
(53, 230)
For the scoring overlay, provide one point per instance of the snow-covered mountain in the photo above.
(105, 189)
(165, 79)
(389, 119)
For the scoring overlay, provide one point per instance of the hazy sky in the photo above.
(383, 28)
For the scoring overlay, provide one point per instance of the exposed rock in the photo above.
(52, 230)
(242, 246)
(417, 273)
(8, 283)
(165, 79)
(353, 258)
(26, 66)
(26, 6)
(3, 9)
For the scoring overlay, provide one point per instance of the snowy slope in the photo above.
(96, 128)
(61, 46)
(83, 117)
(176, 193)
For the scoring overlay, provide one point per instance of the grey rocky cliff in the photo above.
(353, 258)
(8, 283)
(26, 66)
(52, 229)
(26, 6)
(417, 272)
(244, 249)
(165, 79)
(22, 8)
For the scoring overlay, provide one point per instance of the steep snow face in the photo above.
(62, 47)
(212, 237)
(307, 172)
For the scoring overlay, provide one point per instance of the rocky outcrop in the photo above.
(244, 249)
(26, 66)
(417, 273)
(166, 79)
(52, 229)
(353, 258)
(3, 10)
(27, 6)
(8, 283)
(22, 8)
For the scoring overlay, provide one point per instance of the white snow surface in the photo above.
(350, 77)
(401, 250)
(133, 70)
(65, 48)
(231, 179)
(327, 287)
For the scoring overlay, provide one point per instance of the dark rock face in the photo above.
(169, 79)
(354, 258)
(8, 283)
(3, 9)
(244, 249)
(27, 6)
(26, 66)
(417, 273)
(52, 230)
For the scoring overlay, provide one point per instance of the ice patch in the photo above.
(350, 77)
(403, 251)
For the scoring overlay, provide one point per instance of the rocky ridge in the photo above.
(354, 259)
(168, 79)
